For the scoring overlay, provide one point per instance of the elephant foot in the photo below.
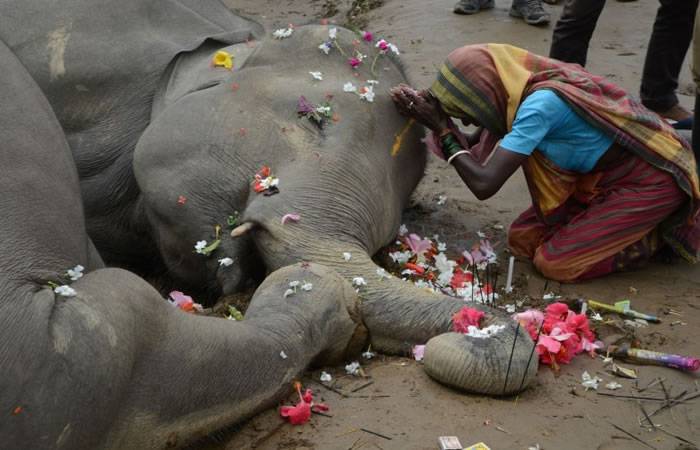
(494, 365)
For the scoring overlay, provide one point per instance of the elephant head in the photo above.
(348, 180)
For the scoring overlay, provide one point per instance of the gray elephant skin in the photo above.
(116, 102)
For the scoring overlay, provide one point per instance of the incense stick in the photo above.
(510, 360)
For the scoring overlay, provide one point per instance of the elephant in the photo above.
(162, 156)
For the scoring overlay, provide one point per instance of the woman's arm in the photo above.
(485, 181)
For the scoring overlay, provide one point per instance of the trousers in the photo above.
(669, 42)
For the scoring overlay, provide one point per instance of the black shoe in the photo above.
(531, 11)
(472, 6)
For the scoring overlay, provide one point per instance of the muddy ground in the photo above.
(403, 404)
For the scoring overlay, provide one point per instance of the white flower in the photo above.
(307, 287)
(226, 262)
(269, 182)
(498, 227)
(368, 354)
(613, 385)
(326, 377)
(349, 87)
(442, 200)
(353, 368)
(482, 333)
(282, 33)
(481, 234)
(597, 317)
(550, 296)
(347, 256)
(323, 109)
(359, 281)
(443, 264)
(372, 82)
(325, 47)
(199, 247)
(444, 278)
(382, 274)
(589, 382)
(401, 257)
(283, 355)
(316, 75)
(76, 272)
(287, 293)
(368, 94)
(510, 309)
(65, 291)
(332, 32)
(294, 284)
(394, 49)
(403, 229)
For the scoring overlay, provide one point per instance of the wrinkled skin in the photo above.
(115, 366)
(342, 180)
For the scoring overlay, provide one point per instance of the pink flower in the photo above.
(354, 62)
(417, 245)
(468, 258)
(301, 412)
(558, 347)
(382, 45)
(418, 352)
(184, 302)
(367, 36)
(530, 320)
(466, 317)
(290, 218)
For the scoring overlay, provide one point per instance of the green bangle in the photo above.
(450, 145)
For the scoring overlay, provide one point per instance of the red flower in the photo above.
(354, 62)
(367, 36)
(465, 317)
(181, 200)
(460, 278)
(297, 415)
(301, 412)
(264, 172)
(415, 267)
(556, 312)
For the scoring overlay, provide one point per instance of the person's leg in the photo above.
(673, 30)
(526, 233)
(531, 11)
(574, 29)
(618, 230)
(472, 6)
(695, 66)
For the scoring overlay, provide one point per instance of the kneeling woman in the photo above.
(611, 183)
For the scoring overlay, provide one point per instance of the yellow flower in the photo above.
(223, 59)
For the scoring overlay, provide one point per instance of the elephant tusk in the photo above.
(242, 229)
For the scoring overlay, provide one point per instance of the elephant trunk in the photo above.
(400, 315)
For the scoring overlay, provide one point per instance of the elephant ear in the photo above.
(193, 71)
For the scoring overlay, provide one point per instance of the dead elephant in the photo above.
(114, 365)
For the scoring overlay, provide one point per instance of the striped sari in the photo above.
(581, 225)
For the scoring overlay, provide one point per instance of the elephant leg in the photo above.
(120, 368)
